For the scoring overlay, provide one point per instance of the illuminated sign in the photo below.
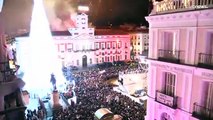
(165, 99)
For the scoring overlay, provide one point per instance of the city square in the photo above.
(106, 60)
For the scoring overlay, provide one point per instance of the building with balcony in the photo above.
(83, 46)
(139, 39)
(180, 85)
(12, 105)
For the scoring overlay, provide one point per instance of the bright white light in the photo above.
(42, 59)
(83, 8)
(1, 4)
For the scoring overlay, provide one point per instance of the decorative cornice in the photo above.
(173, 17)
(206, 14)
(204, 73)
(181, 16)
(173, 68)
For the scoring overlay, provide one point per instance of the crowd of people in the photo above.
(38, 114)
(93, 92)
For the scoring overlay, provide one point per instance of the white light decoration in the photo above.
(83, 8)
(1, 4)
(42, 58)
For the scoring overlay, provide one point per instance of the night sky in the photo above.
(16, 14)
(119, 12)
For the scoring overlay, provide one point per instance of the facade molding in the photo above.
(172, 67)
(182, 16)
(182, 19)
(204, 73)
(169, 17)
(165, 109)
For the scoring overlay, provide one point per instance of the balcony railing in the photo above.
(169, 56)
(202, 113)
(14, 111)
(85, 50)
(7, 69)
(167, 100)
(167, 6)
(205, 60)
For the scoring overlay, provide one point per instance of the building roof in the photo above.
(61, 33)
(23, 34)
(110, 32)
(54, 33)
(138, 31)
(103, 31)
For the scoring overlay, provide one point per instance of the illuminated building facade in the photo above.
(180, 85)
(139, 42)
(83, 46)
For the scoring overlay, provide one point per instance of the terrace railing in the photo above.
(168, 6)
(205, 60)
(6, 69)
(169, 56)
(85, 50)
(167, 100)
(202, 113)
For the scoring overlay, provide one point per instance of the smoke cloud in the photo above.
(61, 13)
(15, 15)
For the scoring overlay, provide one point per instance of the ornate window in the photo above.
(108, 45)
(69, 47)
(90, 60)
(169, 83)
(96, 45)
(97, 60)
(207, 98)
(209, 43)
(119, 44)
(77, 62)
(113, 45)
(62, 47)
(103, 45)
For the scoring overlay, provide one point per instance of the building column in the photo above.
(150, 110)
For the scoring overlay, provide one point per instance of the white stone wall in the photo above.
(190, 34)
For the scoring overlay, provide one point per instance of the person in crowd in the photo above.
(92, 92)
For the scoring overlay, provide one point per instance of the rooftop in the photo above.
(110, 32)
(139, 31)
